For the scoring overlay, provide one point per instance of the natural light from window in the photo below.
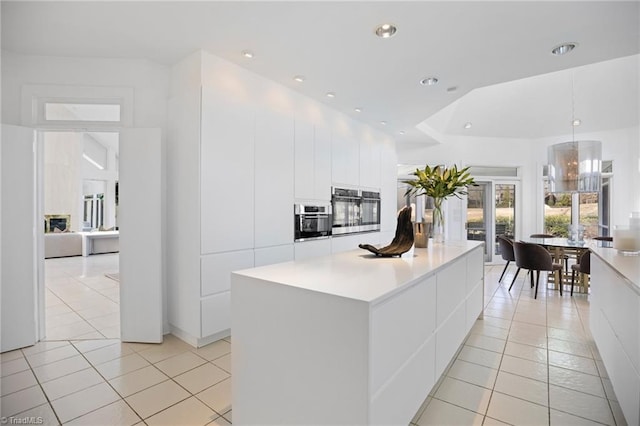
(57, 111)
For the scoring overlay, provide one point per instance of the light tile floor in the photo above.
(80, 301)
(528, 362)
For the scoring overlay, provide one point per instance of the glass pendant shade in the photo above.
(575, 166)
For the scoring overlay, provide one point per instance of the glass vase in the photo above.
(438, 221)
(421, 234)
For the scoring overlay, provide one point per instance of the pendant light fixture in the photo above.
(575, 166)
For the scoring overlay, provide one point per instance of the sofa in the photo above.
(105, 245)
(61, 244)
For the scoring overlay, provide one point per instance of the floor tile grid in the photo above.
(62, 273)
(525, 290)
(140, 348)
(521, 310)
(521, 290)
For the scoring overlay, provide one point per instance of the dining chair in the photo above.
(535, 257)
(506, 251)
(582, 267)
(565, 257)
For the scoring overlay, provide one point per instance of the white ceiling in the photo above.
(466, 45)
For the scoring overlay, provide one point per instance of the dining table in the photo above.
(562, 249)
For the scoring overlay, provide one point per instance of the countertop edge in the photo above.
(608, 255)
(338, 266)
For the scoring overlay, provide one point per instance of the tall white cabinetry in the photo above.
(273, 172)
(312, 161)
(226, 174)
(369, 163)
(345, 157)
(241, 150)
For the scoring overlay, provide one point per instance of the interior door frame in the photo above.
(127, 321)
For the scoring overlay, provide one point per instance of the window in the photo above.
(593, 208)
(55, 107)
(58, 111)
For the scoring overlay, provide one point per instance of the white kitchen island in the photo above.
(350, 338)
(614, 320)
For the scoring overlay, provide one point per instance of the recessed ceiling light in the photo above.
(401, 132)
(386, 30)
(563, 48)
(384, 123)
(299, 78)
(429, 81)
(576, 122)
(331, 95)
(357, 109)
(247, 54)
(467, 125)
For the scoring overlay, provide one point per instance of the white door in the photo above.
(18, 230)
(140, 221)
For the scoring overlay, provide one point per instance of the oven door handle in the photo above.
(344, 198)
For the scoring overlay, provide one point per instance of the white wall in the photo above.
(621, 146)
(465, 151)
(149, 81)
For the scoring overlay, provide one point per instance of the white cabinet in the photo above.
(345, 155)
(216, 269)
(388, 186)
(312, 161)
(271, 255)
(304, 167)
(614, 322)
(273, 172)
(370, 348)
(308, 249)
(226, 174)
(322, 162)
(216, 314)
(344, 243)
(370, 163)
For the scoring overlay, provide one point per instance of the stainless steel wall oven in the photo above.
(346, 208)
(312, 221)
(370, 211)
(355, 210)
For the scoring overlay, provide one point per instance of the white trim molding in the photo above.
(35, 96)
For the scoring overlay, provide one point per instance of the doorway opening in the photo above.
(492, 211)
(78, 192)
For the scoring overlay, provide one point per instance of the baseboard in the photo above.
(198, 342)
(214, 337)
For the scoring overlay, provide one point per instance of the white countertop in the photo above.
(627, 266)
(358, 274)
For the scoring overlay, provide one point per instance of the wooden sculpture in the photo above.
(402, 241)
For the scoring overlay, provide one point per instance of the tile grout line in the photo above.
(55, 413)
(502, 356)
(123, 398)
